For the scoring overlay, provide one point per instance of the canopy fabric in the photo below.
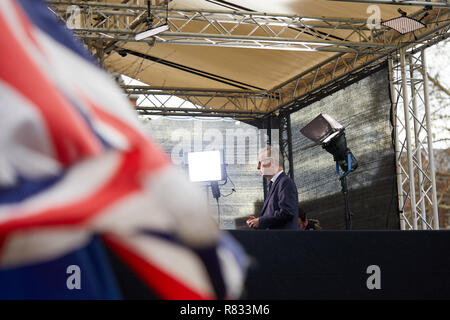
(272, 52)
(260, 68)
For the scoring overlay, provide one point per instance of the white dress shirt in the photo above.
(274, 178)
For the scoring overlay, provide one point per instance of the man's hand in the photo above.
(253, 222)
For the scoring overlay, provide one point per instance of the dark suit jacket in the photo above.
(280, 210)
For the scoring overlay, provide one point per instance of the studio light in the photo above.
(326, 131)
(205, 166)
(322, 129)
(330, 134)
(403, 24)
(151, 32)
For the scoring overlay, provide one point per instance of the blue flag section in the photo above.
(76, 164)
(82, 274)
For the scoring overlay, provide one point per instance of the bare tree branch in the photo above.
(438, 84)
(445, 139)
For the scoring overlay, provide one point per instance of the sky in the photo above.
(438, 66)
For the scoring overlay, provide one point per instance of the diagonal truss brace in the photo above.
(103, 21)
(290, 95)
(416, 184)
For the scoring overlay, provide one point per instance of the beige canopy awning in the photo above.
(248, 55)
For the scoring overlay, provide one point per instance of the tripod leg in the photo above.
(348, 217)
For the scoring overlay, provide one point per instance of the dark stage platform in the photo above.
(347, 264)
(354, 265)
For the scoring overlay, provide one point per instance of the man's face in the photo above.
(266, 165)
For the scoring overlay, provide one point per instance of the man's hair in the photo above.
(272, 152)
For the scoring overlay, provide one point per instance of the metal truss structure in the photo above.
(437, 4)
(358, 49)
(240, 105)
(342, 69)
(239, 29)
(358, 52)
(411, 111)
(323, 79)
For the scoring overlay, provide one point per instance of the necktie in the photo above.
(270, 186)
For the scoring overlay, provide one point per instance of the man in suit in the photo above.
(280, 209)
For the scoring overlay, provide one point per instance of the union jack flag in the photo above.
(75, 162)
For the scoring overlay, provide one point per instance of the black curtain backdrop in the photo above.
(364, 109)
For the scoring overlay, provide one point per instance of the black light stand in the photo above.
(347, 162)
(348, 214)
(216, 194)
(215, 189)
(330, 134)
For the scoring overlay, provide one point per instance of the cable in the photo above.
(226, 195)
(231, 181)
(392, 119)
(233, 189)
